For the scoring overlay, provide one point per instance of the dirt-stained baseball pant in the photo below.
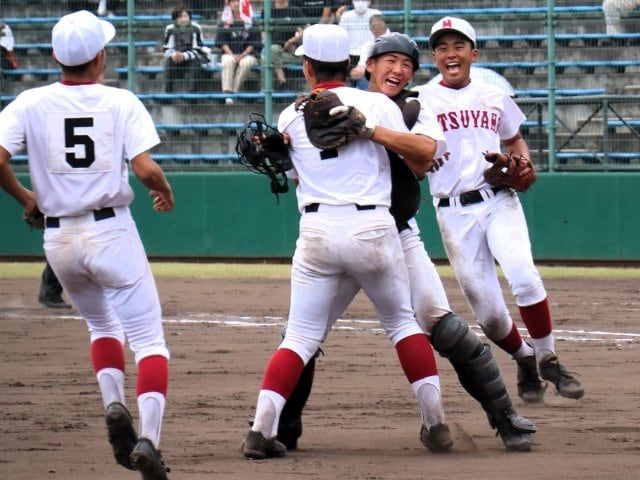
(428, 296)
(364, 244)
(91, 257)
(473, 235)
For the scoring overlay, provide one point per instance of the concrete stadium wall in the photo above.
(572, 216)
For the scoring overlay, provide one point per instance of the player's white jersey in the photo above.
(426, 124)
(357, 172)
(77, 139)
(474, 120)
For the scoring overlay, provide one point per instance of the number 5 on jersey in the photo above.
(80, 143)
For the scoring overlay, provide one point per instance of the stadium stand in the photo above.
(198, 129)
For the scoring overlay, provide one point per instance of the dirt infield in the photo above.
(362, 421)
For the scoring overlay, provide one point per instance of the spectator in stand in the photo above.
(246, 12)
(316, 11)
(614, 10)
(185, 52)
(356, 23)
(239, 43)
(378, 27)
(286, 34)
(8, 59)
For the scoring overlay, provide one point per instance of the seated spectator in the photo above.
(8, 59)
(614, 10)
(377, 26)
(286, 34)
(356, 23)
(185, 52)
(316, 11)
(246, 12)
(239, 43)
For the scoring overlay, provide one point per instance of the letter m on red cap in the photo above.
(446, 24)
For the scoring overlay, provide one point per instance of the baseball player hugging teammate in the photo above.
(393, 59)
(78, 133)
(344, 194)
(481, 222)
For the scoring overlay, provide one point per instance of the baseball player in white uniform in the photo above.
(480, 223)
(79, 135)
(393, 59)
(346, 228)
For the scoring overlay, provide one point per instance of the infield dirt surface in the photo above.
(362, 419)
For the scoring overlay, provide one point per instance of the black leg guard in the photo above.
(480, 376)
(290, 425)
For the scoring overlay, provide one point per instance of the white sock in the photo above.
(427, 391)
(525, 350)
(102, 7)
(545, 347)
(111, 382)
(151, 409)
(268, 410)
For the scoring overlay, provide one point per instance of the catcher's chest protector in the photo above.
(405, 189)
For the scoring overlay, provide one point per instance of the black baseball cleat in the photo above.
(148, 461)
(257, 447)
(530, 388)
(53, 301)
(515, 431)
(437, 438)
(122, 435)
(566, 384)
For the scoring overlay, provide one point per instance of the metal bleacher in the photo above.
(198, 128)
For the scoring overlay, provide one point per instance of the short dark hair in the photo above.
(325, 71)
(175, 13)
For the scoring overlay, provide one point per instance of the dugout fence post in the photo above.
(267, 68)
(131, 47)
(551, 83)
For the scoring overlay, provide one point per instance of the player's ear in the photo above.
(475, 54)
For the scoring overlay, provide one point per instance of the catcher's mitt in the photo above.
(328, 122)
(35, 219)
(509, 171)
(262, 149)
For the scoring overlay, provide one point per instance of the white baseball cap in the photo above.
(452, 25)
(325, 43)
(78, 37)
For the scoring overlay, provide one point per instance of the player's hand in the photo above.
(162, 201)
(177, 57)
(438, 162)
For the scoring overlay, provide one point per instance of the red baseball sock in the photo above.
(512, 342)
(282, 372)
(537, 318)
(107, 352)
(416, 357)
(153, 375)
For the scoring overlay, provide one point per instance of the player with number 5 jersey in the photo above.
(80, 136)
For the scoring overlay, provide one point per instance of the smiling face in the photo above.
(390, 73)
(453, 55)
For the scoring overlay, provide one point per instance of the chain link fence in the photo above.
(591, 70)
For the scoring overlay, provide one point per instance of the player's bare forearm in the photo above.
(416, 150)
(11, 185)
(517, 146)
(151, 176)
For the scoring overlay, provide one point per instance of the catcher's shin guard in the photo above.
(290, 425)
(480, 376)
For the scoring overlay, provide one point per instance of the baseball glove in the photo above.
(509, 171)
(328, 122)
(35, 219)
(262, 149)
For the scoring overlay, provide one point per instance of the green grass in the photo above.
(281, 271)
